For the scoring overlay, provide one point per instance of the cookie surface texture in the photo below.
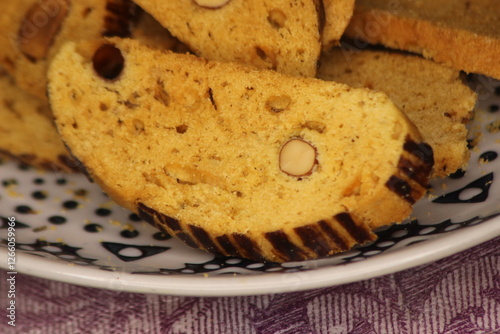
(462, 34)
(280, 35)
(433, 96)
(27, 133)
(337, 16)
(233, 160)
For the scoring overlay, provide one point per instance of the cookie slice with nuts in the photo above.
(34, 30)
(236, 161)
(27, 133)
(279, 35)
(433, 96)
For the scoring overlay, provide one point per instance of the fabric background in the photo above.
(458, 294)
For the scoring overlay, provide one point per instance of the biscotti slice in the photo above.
(461, 33)
(34, 30)
(27, 133)
(279, 35)
(233, 160)
(433, 96)
(337, 16)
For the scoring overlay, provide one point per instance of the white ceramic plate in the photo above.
(68, 230)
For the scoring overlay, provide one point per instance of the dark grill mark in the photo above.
(421, 150)
(186, 239)
(172, 223)
(77, 164)
(156, 219)
(248, 247)
(314, 240)
(146, 213)
(67, 161)
(329, 231)
(400, 187)
(360, 234)
(408, 168)
(119, 19)
(284, 248)
(226, 244)
(204, 239)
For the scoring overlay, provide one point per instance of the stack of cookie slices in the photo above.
(257, 129)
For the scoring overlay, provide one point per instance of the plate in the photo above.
(68, 230)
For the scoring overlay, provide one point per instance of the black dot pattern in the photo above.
(103, 212)
(161, 236)
(93, 228)
(135, 218)
(129, 233)
(70, 205)
(61, 181)
(24, 209)
(458, 174)
(488, 156)
(57, 220)
(38, 181)
(9, 182)
(39, 194)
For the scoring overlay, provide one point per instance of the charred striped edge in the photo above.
(164, 223)
(326, 237)
(414, 170)
(120, 18)
(75, 164)
(320, 239)
(63, 163)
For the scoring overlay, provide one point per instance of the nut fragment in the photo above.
(278, 103)
(40, 27)
(297, 158)
(211, 4)
(276, 18)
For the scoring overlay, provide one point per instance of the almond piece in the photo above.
(211, 4)
(297, 158)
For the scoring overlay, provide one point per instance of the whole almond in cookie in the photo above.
(297, 157)
(211, 3)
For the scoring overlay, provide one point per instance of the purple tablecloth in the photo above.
(459, 294)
